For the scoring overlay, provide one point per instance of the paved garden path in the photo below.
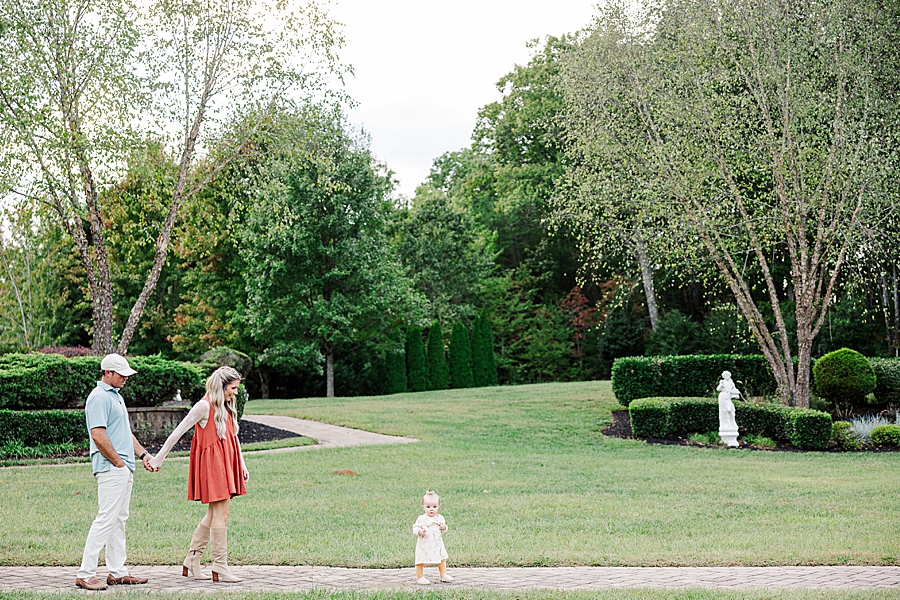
(294, 579)
(328, 436)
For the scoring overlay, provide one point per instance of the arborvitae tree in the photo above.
(395, 373)
(417, 380)
(438, 374)
(484, 365)
(460, 358)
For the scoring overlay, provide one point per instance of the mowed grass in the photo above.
(525, 477)
(462, 594)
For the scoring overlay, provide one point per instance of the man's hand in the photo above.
(146, 460)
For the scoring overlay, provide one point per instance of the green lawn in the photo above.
(525, 477)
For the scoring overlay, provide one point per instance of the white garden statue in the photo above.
(728, 429)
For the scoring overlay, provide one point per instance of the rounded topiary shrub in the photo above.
(885, 435)
(844, 376)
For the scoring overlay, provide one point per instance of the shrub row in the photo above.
(43, 427)
(658, 417)
(694, 375)
(48, 381)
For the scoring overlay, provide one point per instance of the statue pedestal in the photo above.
(729, 437)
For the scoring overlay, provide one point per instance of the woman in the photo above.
(217, 472)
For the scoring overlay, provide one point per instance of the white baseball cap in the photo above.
(117, 363)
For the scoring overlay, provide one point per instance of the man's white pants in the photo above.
(108, 529)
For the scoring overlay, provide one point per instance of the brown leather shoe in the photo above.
(127, 580)
(90, 584)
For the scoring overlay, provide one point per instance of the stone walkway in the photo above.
(328, 436)
(294, 579)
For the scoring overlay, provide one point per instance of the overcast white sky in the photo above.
(425, 67)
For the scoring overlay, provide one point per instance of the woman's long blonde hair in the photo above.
(215, 391)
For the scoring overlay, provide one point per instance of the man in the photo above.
(113, 448)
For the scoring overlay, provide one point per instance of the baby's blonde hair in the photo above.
(430, 494)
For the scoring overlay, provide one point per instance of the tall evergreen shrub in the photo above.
(438, 375)
(394, 373)
(460, 358)
(416, 379)
(484, 365)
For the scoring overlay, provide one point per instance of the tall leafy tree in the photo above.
(484, 364)
(770, 128)
(83, 81)
(445, 254)
(320, 271)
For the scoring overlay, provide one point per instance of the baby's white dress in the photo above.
(429, 549)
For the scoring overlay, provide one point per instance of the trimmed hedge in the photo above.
(43, 427)
(885, 435)
(50, 381)
(687, 376)
(658, 417)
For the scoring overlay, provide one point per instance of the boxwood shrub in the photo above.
(885, 435)
(43, 427)
(801, 427)
(48, 381)
(693, 376)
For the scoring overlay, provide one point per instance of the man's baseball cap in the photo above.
(117, 363)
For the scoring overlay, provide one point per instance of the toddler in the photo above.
(430, 544)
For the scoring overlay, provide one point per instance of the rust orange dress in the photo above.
(215, 471)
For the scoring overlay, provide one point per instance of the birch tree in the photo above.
(85, 82)
(769, 125)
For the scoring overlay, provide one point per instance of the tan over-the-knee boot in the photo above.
(192, 560)
(218, 545)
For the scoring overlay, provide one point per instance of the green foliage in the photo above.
(697, 375)
(675, 334)
(649, 417)
(319, 269)
(887, 379)
(885, 435)
(460, 358)
(622, 334)
(395, 372)
(438, 375)
(32, 428)
(446, 256)
(844, 377)
(484, 364)
(727, 332)
(41, 381)
(842, 436)
(760, 441)
(416, 369)
(808, 429)
(802, 427)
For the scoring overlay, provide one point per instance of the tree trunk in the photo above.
(640, 250)
(896, 313)
(329, 370)
(263, 383)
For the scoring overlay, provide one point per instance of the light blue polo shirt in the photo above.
(106, 408)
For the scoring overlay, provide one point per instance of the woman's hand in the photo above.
(246, 474)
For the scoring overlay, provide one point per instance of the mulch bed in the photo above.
(249, 432)
(621, 428)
